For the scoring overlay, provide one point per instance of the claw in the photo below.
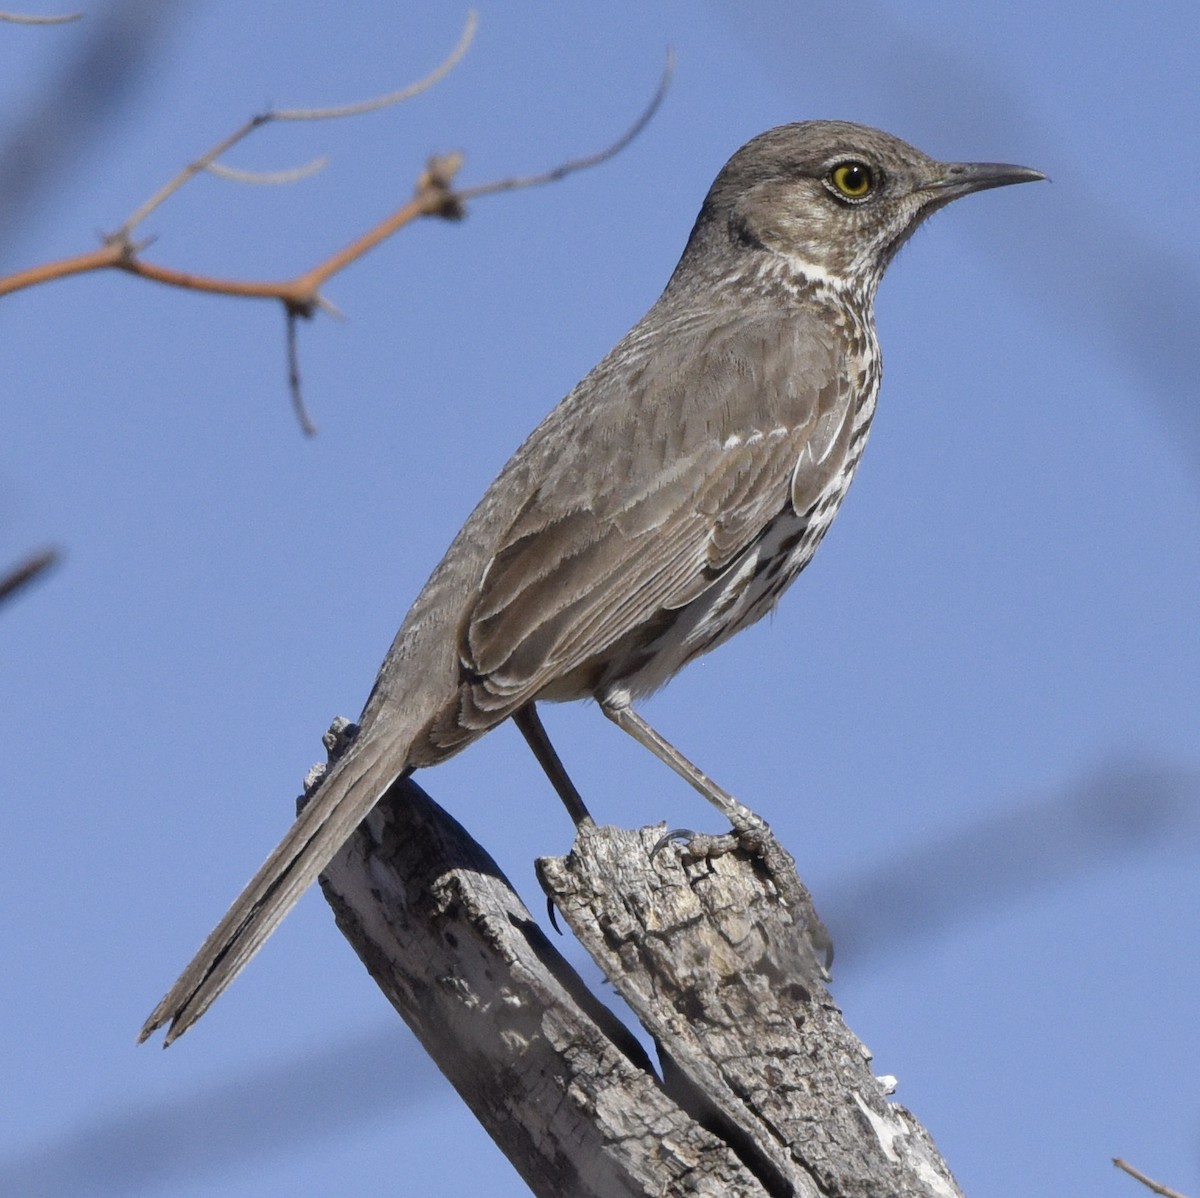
(675, 834)
(748, 835)
(553, 915)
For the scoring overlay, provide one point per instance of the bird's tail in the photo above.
(355, 783)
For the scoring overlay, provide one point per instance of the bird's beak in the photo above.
(961, 178)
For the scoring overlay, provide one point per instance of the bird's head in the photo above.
(833, 200)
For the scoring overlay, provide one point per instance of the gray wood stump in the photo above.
(761, 1089)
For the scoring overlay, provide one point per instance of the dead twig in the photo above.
(1153, 1186)
(206, 161)
(580, 164)
(292, 175)
(294, 390)
(434, 195)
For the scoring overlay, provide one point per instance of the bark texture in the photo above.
(760, 1090)
(722, 960)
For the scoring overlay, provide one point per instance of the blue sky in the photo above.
(973, 719)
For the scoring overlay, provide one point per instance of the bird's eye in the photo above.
(853, 179)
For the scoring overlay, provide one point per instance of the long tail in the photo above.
(354, 785)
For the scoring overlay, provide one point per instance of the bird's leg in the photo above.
(615, 705)
(530, 724)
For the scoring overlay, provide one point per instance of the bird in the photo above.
(661, 507)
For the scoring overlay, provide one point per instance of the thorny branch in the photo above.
(300, 296)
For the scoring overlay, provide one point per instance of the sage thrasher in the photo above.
(664, 505)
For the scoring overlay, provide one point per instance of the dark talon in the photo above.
(553, 916)
(748, 835)
(684, 834)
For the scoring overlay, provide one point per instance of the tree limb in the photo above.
(564, 1090)
(300, 296)
(764, 1089)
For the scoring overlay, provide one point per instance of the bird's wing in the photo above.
(664, 469)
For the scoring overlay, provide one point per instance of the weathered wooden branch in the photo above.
(764, 1091)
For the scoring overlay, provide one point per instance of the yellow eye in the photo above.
(852, 179)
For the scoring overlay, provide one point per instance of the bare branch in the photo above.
(405, 93)
(46, 272)
(434, 196)
(590, 160)
(1153, 1186)
(294, 174)
(16, 18)
(205, 161)
(188, 173)
(293, 360)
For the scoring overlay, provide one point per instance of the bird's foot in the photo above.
(748, 833)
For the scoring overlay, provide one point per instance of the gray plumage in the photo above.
(661, 507)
